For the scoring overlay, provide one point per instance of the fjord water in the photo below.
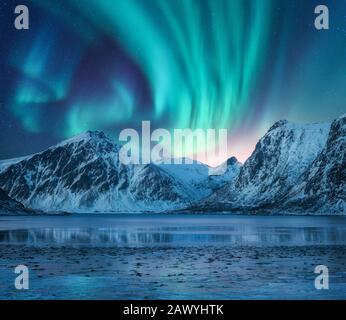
(173, 256)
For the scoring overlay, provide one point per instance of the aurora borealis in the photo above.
(110, 64)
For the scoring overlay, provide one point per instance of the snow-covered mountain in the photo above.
(200, 179)
(277, 164)
(84, 174)
(322, 187)
(299, 168)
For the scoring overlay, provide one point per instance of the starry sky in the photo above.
(108, 65)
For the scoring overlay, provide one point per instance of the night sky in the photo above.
(108, 65)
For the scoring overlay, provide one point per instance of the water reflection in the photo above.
(240, 234)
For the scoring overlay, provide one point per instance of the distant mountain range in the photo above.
(295, 168)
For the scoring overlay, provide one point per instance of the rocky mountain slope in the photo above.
(84, 174)
(9, 207)
(322, 187)
(7, 204)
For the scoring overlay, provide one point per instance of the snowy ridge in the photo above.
(8, 162)
(200, 179)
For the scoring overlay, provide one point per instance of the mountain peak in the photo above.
(86, 136)
(96, 134)
(278, 124)
(90, 134)
(232, 161)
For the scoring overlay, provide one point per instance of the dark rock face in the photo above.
(6, 201)
(232, 161)
(9, 206)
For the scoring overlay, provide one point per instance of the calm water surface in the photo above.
(173, 256)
